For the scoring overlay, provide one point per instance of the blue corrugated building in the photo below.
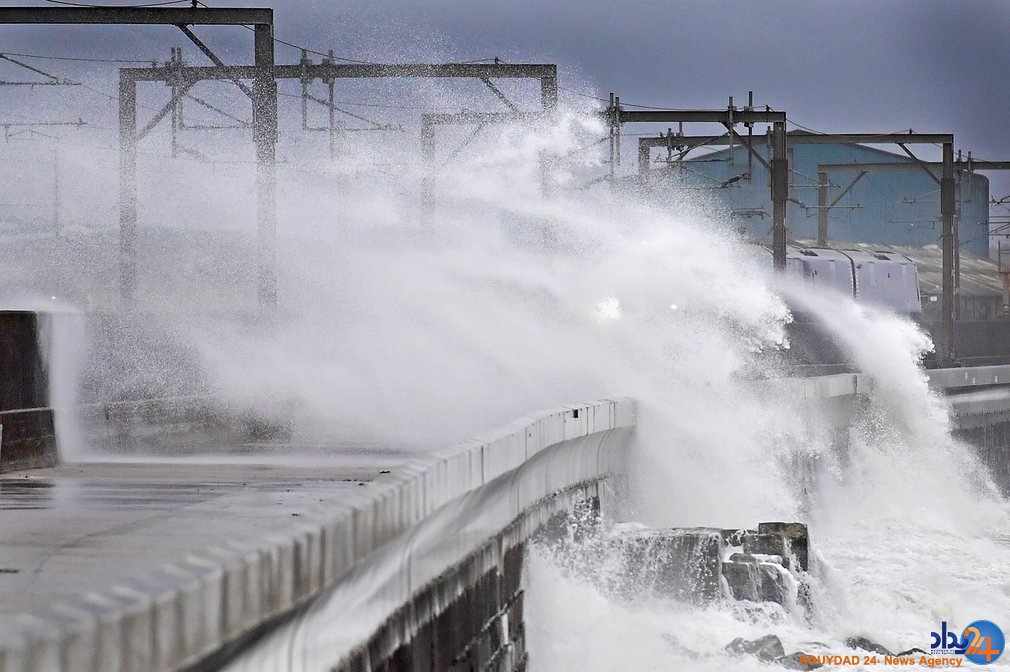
(885, 207)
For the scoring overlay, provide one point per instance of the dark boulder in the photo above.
(864, 644)
(767, 648)
(798, 661)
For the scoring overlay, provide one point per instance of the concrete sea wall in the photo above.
(27, 434)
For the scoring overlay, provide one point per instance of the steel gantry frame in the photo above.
(183, 78)
(264, 73)
(264, 97)
(616, 116)
(946, 182)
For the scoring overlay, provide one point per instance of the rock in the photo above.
(764, 544)
(797, 539)
(798, 661)
(910, 652)
(759, 582)
(683, 564)
(747, 557)
(865, 644)
(767, 648)
(758, 613)
(676, 645)
(733, 537)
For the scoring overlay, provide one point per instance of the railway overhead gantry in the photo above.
(616, 116)
(264, 102)
(264, 74)
(685, 143)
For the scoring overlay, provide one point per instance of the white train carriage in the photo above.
(881, 278)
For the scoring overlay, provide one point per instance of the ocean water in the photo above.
(906, 529)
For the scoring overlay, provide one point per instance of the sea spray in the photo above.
(906, 527)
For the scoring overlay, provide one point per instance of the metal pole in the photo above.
(265, 136)
(644, 154)
(612, 124)
(822, 209)
(56, 191)
(127, 190)
(780, 192)
(957, 239)
(947, 214)
(174, 89)
(428, 180)
(750, 137)
(617, 129)
(305, 90)
(549, 104)
(330, 83)
(1005, 273)
(549, 92)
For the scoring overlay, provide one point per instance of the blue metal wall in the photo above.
(894, 208)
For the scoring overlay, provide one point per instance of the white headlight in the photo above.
(609, 308)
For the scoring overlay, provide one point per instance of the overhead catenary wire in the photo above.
(376, 124)
(133, 6)
(80, 59)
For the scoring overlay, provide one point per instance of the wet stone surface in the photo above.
(76, 528)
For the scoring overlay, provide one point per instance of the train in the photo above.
(882, 278)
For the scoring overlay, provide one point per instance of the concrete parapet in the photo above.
(458, 515)
(171, 423)
(27, 439)
(23, 375)
(968, 377)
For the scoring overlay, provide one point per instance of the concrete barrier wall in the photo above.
(979, 401)
(23, 377)
(478, 502)
(183, 614)
(27, 439)
(27, 435)
(173, 424)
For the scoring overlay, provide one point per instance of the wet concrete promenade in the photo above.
(183, 563)
(78, 536)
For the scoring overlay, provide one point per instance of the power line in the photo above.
(150, 4)
(376, 124)
(299, 47)
(79, 59)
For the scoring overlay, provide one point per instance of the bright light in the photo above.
(609, 308)
(673, 306)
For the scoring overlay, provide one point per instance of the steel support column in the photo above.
(127, 189)
(427, 201)
(549, 91)
(822, 208)
(780, 194)
(643, 165)
(947, 214)
(265, 137)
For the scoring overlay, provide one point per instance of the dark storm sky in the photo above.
(834, 66)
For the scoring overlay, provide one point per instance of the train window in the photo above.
(808, 253)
